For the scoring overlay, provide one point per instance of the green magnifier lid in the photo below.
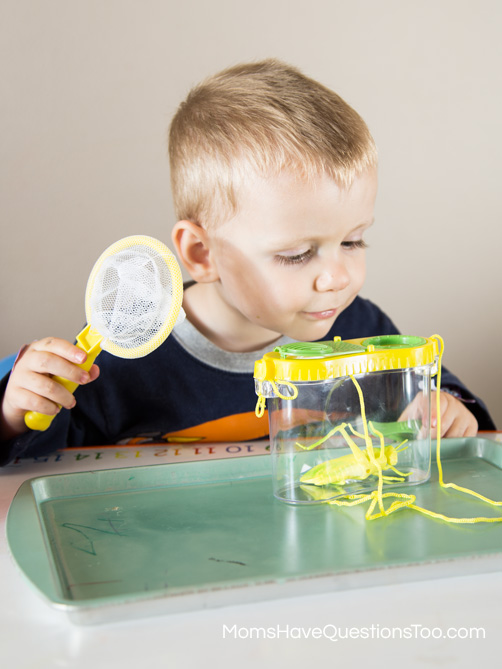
(318, 349)
(394, 341)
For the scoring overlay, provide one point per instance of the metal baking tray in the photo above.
(137, 541)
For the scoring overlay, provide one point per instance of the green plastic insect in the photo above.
(357, 466)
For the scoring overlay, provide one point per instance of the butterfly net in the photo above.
(133, 297)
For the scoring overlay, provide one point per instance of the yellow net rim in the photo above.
(176, 289)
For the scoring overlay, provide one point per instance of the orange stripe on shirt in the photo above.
(238, 427)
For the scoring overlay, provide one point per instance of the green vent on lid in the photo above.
(325, 349)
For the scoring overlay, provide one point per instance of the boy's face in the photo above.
(293, 258)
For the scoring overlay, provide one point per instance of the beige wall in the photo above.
(88, 87)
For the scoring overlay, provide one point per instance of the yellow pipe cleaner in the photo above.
(377, 496)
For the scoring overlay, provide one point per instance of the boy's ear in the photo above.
(191, 243)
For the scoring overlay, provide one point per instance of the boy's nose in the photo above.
(332, 279)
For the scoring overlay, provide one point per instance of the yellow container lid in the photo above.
(321, 361)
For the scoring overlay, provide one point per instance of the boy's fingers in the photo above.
(23, 400)
(443, 402)
(464, 424)
(52, 356)
(94, 372)
(61, 348)
(28, 384)
(415, 409)
(32, 386)
(44, 363)
(443, 406)
(447, 423)
(456, 419)
(30, 401)
(48, 388)
(456, 428)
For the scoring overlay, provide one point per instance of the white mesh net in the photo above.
(133, 296)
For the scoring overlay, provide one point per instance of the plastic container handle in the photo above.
(89, 341)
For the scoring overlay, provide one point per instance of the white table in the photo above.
(268, 633)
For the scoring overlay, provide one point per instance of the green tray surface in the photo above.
(117, 536)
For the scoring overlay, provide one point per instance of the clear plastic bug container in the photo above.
(342, 414)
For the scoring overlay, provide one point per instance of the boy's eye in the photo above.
(296, 259)
(356, 244)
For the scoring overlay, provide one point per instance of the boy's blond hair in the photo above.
(260, 118)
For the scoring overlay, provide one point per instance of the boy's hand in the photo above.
(456, 419)
(32, 388)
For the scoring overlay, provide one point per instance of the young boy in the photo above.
(274, 180)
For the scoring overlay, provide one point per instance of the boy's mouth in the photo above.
(320, 315)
